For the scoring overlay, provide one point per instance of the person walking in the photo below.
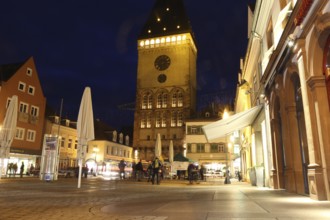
(156, 164)
(21, 170)
(149, 171)
(122, 164)
(139, 170)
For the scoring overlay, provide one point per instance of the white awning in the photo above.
(233, 123)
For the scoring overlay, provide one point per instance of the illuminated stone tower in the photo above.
(166, 79)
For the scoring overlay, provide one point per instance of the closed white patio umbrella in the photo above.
(7, 131)
(158, 147)
(85, 127)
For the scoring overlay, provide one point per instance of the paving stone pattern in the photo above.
(99, 199)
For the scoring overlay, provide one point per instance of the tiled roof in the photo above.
(168, 17)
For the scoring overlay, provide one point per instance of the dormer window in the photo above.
(29, 71)
(57, 120)
(67, 122)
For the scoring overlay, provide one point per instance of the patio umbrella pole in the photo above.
(80, 169)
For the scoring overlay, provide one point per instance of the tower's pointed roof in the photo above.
(167, 17)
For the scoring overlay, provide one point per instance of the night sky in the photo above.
(94, 43)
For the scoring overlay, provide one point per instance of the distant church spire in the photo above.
(167, 17)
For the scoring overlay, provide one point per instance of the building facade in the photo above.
(68, 143)
(22, 80)
(286, 69)
(215, 156)
(103, 154)
(166, 79)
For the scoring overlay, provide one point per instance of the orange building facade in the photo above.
(21, 79)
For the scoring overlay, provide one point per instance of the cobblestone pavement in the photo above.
(98, 199)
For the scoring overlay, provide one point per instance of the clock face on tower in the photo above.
(162, 78)
(162, 62)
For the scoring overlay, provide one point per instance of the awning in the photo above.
(233, 123)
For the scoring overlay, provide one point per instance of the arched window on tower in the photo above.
(147, 101)
(177, 99)
(326, 66)
(174, 100)
(180, 99)
(162, 100)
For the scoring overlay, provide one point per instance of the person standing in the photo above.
(156, 164)
(190, 170)
(21, 170)
(121, 166)
(201, 172)
(139, 170)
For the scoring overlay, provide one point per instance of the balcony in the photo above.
(27, 118)
(23, 117)
(33, 119)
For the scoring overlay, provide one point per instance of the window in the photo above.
(8, 102)
(143, 122)
(180, 119)
(148, 137)
(21, 86)
(214, 148)
(19, 135)
(23, 107)
(180, 99)
(29, 71)
(34, 111)
(158, 119)
(76, 144)
(174, 100)
(163, 118)
(174, 136)
(31, 90)
(221, 148)
(62, 141)
(189, 148)
(162, 100)
(148, 120)
(147, 101)
(177, 99)
(200, 148)
(173, 119)
(70, 143)
(31, 135)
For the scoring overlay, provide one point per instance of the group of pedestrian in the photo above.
(154, 170)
